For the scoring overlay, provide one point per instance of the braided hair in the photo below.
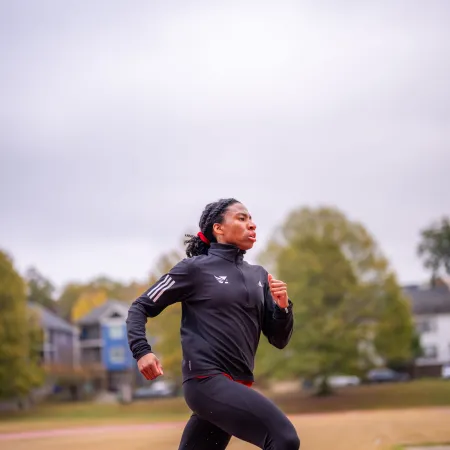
(213, 213)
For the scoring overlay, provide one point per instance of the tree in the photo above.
(20, 336)
(434, 248)
(349, 310)
(88, 301)
(111, 289)
(40, 289)
(69, 295)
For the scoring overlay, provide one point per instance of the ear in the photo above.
(218, 229)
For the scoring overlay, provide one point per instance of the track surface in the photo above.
(87, 431)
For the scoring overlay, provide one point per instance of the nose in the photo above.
(252, 225)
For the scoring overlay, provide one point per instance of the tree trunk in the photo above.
(324, 388)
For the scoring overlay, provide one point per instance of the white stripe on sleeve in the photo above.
(159, 286)
(164, 290)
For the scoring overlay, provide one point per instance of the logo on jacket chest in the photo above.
(221, 279)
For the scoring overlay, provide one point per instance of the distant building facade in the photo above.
(431, 311)
(104, 349)
(60, 347)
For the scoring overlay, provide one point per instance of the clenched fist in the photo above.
(150, 366)
(278, 289)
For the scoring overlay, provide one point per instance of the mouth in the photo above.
(252, 237)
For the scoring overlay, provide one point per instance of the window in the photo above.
(116, 332)
(426, 326)
(117, 355)
(430, 351)
(90, 332)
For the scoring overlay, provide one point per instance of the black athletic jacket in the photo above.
(226, 303)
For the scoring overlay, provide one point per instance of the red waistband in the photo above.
(245, 383)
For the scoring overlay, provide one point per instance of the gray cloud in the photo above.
(120, 122)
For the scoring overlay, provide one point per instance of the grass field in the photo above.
(426, 392)
(421, 393)
(366, 417)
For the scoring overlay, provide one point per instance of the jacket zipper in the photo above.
(245, 285)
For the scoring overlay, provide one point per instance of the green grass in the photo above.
(148, 411)
(421, 393)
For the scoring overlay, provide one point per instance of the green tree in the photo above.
(20, 336)
(349, 310)
(113, 289)
(40, 289)
(434, 248)
(110, 289)
(69, 296)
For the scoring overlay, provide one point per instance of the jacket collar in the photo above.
(226, 251)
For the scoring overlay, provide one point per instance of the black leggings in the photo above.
(223, 408)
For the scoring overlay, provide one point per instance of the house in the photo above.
(104, 349)
(60, 348)
(431, 311)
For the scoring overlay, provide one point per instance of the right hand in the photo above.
(150, 366)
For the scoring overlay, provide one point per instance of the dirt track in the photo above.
(337, 431)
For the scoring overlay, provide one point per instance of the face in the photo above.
(237, 228)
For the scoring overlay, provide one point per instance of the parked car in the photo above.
(386, 375)
(337, 381)
(445, 371)
(344, 380)
(155, 390)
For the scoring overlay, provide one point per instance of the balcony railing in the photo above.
(88, 343)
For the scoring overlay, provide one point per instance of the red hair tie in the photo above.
(203, 238)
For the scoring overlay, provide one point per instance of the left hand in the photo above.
(278, 289)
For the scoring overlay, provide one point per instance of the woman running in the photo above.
(226, 304)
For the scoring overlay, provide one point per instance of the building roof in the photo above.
(427, 300)
(51, 321)
(94, 316)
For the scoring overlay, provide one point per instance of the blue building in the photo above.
(104, 350)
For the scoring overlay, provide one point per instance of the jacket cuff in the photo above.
(282, 313)
(142, 353)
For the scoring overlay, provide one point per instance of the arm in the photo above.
(172, 287)
(278, 322)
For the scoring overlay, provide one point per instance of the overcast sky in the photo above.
(120, 120)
